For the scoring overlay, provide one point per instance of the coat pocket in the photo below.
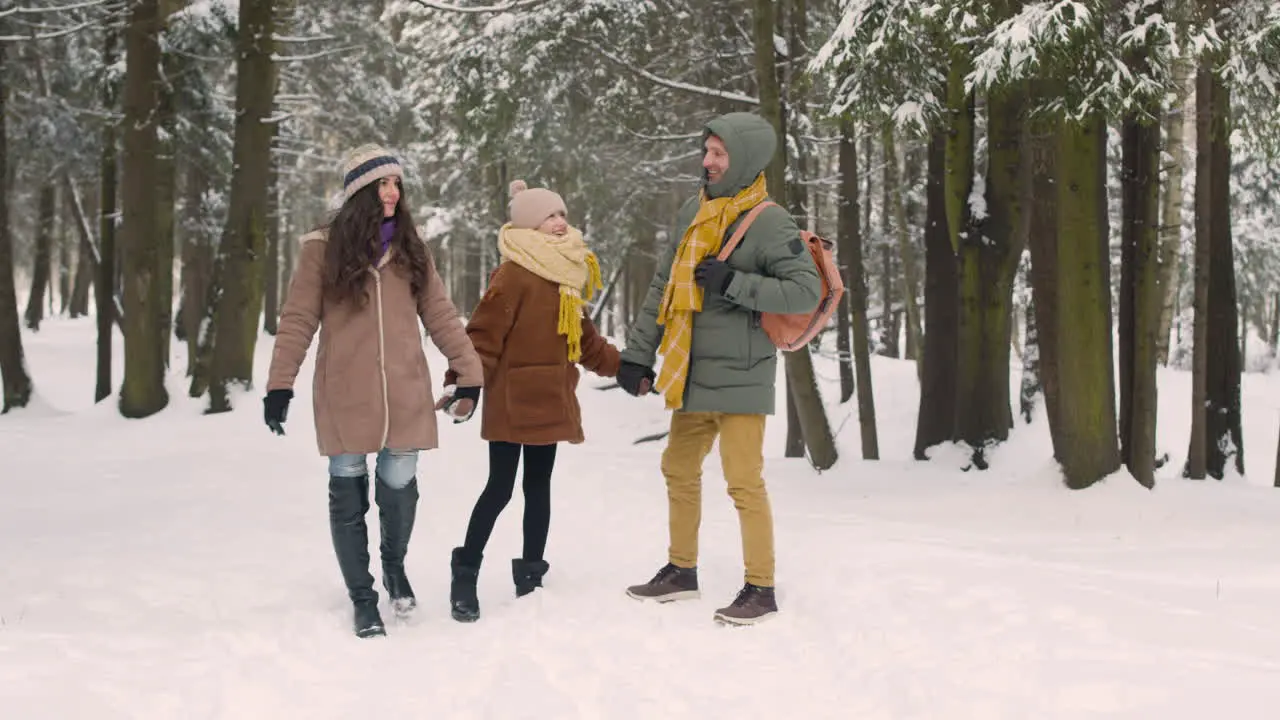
(535, 397)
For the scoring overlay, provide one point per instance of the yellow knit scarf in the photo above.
(682, 297)
(564, 260)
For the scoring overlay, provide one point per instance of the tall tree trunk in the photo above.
(1273, 343)
(13, 365)
(988, 264)
(166, 196)
(238, 274)
(105, 280)
(1139, 285)
(64, 261)
(1043, 241)
(143, 391)
(197, 267)
(935, 422)
(1198, 450)
(797, 193)
(1089, 449)
(43, 245)
(85, 266)
(1030, 358)
(848, 242)
(906, 253)
(271, 301)
(1224, 434)
(801, 381)
(856, 284)
(1175, 122)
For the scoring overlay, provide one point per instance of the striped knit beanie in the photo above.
(529, 207)
(367, 164)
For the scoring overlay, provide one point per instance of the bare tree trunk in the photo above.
(988, 264)
(856, 284)
(13, 365)
(847, 234)
(143, 391)
(906, 253)
(1030, 359)
(40, 276)
(1273, 343)
(801, 381)
(935, 421)
(1089, 450)
(1198, 451)
(237, 279)
(64, 262)
(1171, 210)
(1139, 285)
(1043, 241)
(166, 192)
(105, 280)
(271, 291)
(85, 265)
(197, 267)
(1224, 433)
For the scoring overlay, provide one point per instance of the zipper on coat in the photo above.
(382, 362)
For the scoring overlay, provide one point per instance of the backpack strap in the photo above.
(729, 246)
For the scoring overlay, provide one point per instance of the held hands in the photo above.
(714, 275)
(275, 408)
(635, 379)
(460, 403)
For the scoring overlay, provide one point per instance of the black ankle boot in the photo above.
(465, 570)
(348, 504)
(528, 575)
(396, 512)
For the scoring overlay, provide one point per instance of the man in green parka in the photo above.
(719, 367)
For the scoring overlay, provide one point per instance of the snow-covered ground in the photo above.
(180, 567)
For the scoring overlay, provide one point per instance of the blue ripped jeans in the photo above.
(395, 468)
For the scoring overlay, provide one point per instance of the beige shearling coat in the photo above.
(372, 386)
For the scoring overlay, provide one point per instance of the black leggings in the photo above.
(504, 458)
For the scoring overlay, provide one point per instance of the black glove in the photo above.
(275, 408)
(471, 393)
(714, 275)
(631, 377)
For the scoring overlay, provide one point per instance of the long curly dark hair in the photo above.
(354, 245)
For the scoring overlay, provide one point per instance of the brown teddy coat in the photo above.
(530, 391)
(372, 386)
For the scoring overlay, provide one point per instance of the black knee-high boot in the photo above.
(348, 504)
(396, 512)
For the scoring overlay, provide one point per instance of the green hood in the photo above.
(751, 142)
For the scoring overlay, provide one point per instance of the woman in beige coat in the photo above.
(366, 280)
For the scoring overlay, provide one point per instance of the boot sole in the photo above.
(465, 617)
(404, 607)
(372, 631)
(669, 597)
(742, 622)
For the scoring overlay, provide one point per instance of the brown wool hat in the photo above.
(529, 207)
(367, 164)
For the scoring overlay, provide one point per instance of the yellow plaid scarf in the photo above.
(565, 261)
(682, 296)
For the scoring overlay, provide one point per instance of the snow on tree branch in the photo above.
(506, 7)
(675, 84)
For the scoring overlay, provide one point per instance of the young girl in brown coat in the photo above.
(368, 284)
(531, 333)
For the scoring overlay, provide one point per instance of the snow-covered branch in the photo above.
(314, 55)
(505, 7)
(675, 84)
(48, 35)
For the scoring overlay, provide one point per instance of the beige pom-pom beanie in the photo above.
(529, 207)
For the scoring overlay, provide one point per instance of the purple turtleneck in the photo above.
(388, 227)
